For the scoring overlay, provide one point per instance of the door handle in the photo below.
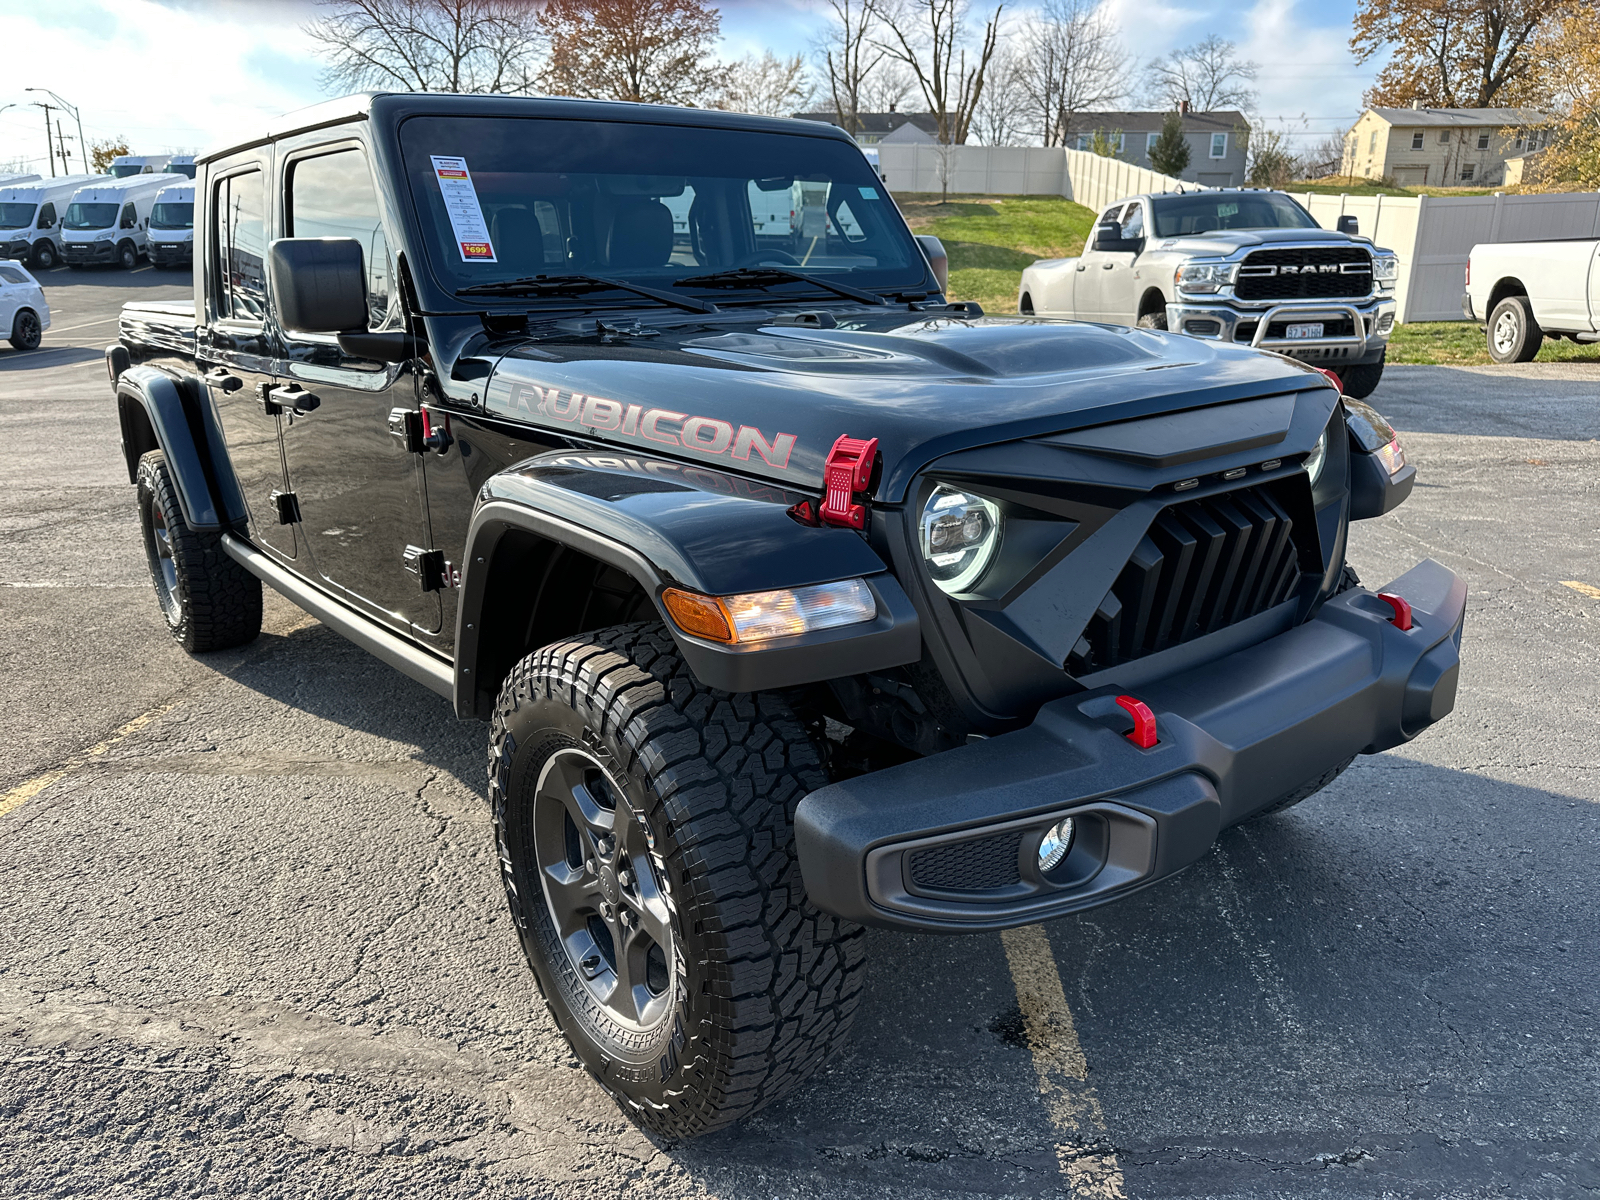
(1082, 267)
(1107, 266)
(221, 377)
(296, 399)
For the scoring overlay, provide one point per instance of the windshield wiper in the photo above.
(761, 277)
(580, 285)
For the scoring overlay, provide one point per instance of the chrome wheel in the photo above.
(604, 892)
(1506, 333)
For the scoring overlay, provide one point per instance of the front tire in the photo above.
(26, 332)
(644, 825)
(1153, 320)
(209, 601)
(1361, 380)
(44, 254)
(1514, 334)
(127, 256)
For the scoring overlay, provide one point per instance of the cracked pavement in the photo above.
(256, 946)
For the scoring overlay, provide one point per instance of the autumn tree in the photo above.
(767, 85)
(1270, 161)
(1170, 153)
(1569, 57)
(1208, 76)
(1071, 62)
(101, 153)
(647, 51)
(944, 53)
(1455, 53)
(428, 45)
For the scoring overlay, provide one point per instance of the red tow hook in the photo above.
(1402, 611)
(1144, 722)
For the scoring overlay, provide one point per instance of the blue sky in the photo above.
(130, 64)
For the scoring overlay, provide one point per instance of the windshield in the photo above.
(1206, 211)
(16, 216)
(182, 169)
(89, 216)
(172, 216)
(504, 198)
(123, 170)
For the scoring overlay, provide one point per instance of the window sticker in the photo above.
(868, 193)
(461, 202)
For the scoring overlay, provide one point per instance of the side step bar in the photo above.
(404, 656)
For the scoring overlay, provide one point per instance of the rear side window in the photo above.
(12, 275)
(240, 247)
(331, 196)
(129, 218)
(47, 216)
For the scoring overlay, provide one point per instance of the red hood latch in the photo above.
(846, 476)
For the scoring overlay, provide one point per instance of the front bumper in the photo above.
(18, 248)
(165, 253)
(950, 843)
(89, 252)
(1369, 321)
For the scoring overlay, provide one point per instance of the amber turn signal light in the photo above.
(703, 616)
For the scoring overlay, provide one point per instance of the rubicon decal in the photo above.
(663, 426)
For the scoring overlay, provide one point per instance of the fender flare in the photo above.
(717, 534)
(157, 412)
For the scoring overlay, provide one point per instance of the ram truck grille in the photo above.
(1308, 273)
(1204, 565)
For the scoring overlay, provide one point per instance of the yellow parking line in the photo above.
(23, 792)
(1084, 1151)
(1588, 589)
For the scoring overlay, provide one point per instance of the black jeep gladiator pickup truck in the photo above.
(796, 598)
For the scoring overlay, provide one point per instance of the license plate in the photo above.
(1306, 329)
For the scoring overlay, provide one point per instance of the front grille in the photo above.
(976, 865)
(1306, 273)
(1204, 565)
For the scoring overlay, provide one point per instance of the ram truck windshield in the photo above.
(506, 199)
(1178, 216)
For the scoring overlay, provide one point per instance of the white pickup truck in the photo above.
(1525, 292)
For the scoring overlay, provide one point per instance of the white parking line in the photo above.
(1087, 1158)
(85, 325)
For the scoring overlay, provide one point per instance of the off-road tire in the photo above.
(1362, 379)
(1514, 335)
(1153, 320)
(44, 254)
(764, 986)
(1304, 792)
(26, 332)
(209, 601)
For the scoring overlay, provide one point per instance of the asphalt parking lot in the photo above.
(252, 941)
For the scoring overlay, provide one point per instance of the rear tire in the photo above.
(44, 254)
(1514, 334)
(209, 601)
(127, 256)
(644, 824)
(1153, 320)
(26, 331)
(1361, 380)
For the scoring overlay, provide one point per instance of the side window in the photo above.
(1483, 140)
(1416, 140)
(129, 219)
(1133, 227)
(240, 247)
(47, 217)
(331, 196)
(11, 275)
(1219, 145)
(1112, 215)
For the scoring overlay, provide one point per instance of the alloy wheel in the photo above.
(165, 567)
(27, 332)
(1505, 333)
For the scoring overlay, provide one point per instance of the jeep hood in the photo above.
(770, 400)
(1222, 242)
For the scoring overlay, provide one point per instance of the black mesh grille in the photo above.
(1203, 565)
(1309, 273)
(971, 866)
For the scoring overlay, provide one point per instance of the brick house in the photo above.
(1443, 147)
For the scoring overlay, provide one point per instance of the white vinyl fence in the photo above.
(1432, 235)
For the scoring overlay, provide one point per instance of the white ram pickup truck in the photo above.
(1525, 292)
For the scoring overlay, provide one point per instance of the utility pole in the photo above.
(66, 167)
(49, 147)
(70, 109)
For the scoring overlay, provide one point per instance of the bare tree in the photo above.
(1072, 62)
(1207, 76)
(1326, 156)
(428, 45)
(1004, 117)
(768, 86)
(887, 88)
(647, 51)
(935, 41)
(849, 57)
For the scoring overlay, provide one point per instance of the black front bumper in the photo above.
(89, 252)
(950, 843)
(164, 254)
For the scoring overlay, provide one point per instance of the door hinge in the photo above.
(405, 426)
(434, 573)
(287, 505)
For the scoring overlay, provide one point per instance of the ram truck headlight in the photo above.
(1317, 459)
(1205, 279)
(753, 617)
(960, 533)
(1385, 271)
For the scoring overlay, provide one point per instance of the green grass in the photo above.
(1462, 343)
(990, 239)
(1371, 187)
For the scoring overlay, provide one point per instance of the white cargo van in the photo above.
(139, 164)
(106, 222)
(171, 233)
(30, 217)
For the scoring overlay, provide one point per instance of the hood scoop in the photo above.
(1173, 439)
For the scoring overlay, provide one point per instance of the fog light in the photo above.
(1057, 842)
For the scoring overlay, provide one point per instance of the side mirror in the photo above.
(933, 250)
(1348, 224)
(319, 285)
(1108, 236)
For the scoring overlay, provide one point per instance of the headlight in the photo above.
(1205, 278)
(1316, 459)
(762, 616)
(103, 236)
(960, 534)
(1385, 270)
